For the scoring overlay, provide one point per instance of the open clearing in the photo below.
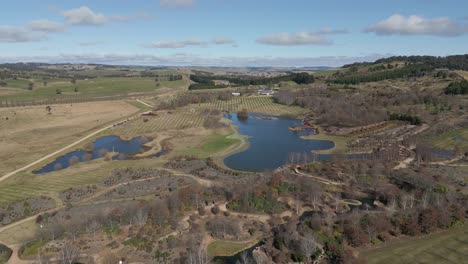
(227, 248)
(449, 246)
(464, 74)
(29, 133)
(453, 138)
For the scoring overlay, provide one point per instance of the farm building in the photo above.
(266, 92)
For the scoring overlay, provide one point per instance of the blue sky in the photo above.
(230, 33)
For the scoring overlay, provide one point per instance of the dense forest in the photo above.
(207, 81)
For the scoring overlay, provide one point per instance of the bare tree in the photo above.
(307, 247)
(140, 217)
(69, 253)
(244, 258)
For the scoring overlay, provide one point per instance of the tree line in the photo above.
(207, 81)
(413, 120)
(413, 70)
(454, 62)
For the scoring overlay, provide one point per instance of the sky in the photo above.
(289, 33)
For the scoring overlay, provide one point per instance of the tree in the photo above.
(73, 160)
(69, 253)
(58, 91)
(45, 83)
(49, 109)
(307, 247)
(243, 114)
(30, 86)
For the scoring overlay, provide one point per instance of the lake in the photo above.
(101, 145)
(271, 142)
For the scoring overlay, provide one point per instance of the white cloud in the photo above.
(176, 44)
(46, 26)
(330, 31)
(416, 25)
(176, 3)
(223, 40)
(18, 34)
(84, 16)
(183, 59)
(294, 39)
(91, 43)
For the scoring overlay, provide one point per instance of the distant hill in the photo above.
(454, 62)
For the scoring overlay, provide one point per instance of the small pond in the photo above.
(271, 142)
(99, 147)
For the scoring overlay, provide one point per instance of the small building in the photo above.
(266, 92)
(235, 94)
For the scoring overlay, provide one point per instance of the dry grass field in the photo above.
(449, 246)
(463, 73)
(28, 133)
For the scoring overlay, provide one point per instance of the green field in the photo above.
(452, 138)
(213, 144)
(97, 87)
(449, 246)
(227, 248)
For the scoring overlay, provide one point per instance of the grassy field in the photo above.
(212, 144)
(19, 233)
(463, 73)
(227, 248)
(98, 87)
(452, 138)
(446, 247)
(30, 133)
(340, 142)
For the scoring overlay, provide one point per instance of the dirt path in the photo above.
(8, 175)
(145, 103)
(320, 179)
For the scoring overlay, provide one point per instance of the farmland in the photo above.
(89, 88)
(31, 132)
(446, 247)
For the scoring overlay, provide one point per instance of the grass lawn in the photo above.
(212, 145)
(452, 138)
(33, 248)
(340, 142)
(449, 246)
(227, 248)
(18, 234)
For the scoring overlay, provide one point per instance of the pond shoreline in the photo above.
(245, 144)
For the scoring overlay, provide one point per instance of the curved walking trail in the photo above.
(8, 175)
